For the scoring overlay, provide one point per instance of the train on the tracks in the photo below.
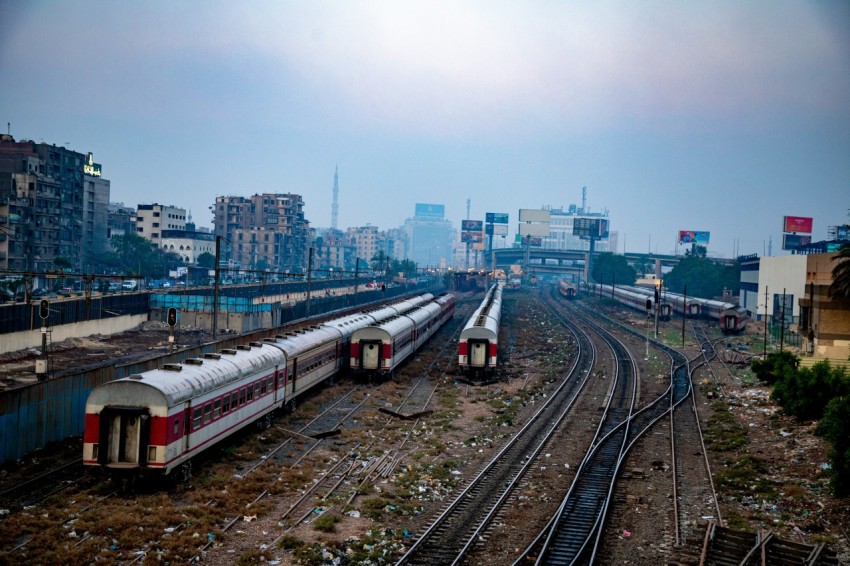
(379, 348)
(155, 422)
(567, 288)
(478, 350)
(634, 298)
(732, 318)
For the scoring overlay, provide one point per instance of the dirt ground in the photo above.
(782, 488)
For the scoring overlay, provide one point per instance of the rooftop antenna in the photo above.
(335, 204)
(9, 128)
(584, 200)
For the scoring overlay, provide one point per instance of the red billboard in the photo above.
(797, 224)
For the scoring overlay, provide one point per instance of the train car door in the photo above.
(370, 354)
(478, 353)
(124, 437)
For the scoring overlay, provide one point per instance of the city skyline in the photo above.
(675, 116)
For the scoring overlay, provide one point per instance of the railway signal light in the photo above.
(649, 304)
(172, 317)
(44, 309)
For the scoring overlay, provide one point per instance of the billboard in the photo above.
(693, 237)
(842, 233)
(474, 237)
(534, 215)
(590, 228)
(797, 224)
(497, 217)
(534, 229)
(471, 225)
(791, 241)
(430, 210)
(496, 229)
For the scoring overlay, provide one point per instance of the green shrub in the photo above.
(805, 392)
(771, 368)
(326, 523)
(835, 428)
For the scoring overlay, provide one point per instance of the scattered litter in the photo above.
(249, 518)
(237, 476)
(4, 512)
(407, 534)
(627, 534)
(353, 513)
(455, 472)
(169, 529)
(210, 536)
(113, 547)
(139, 553)
(825, 466)
(72, 534)
(783, 433)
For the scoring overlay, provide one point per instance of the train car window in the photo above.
(207, 413)
(241, 396)
(257, 389)
(250, 392)
(225, 407)
(216, 408)
(263, 387)
(176, 427)
(196, 417)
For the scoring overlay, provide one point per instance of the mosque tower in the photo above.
(335, 205)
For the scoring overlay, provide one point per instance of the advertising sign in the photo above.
(534, 229)
(534, 215)
(590, 228)
(497, 217)
(693, 237)
(842, 233)
(430, 210)
(496, 229)
(471, 225)
(473, 237)
(797, 224)
(791, 241)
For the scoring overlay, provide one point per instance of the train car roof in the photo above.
(176, 383)
(296, 343)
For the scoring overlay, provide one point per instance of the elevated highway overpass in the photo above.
(575, 261)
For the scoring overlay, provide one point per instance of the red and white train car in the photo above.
(380, 348)
(479, 340)
(157, 421)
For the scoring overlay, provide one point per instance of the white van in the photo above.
(129, 285)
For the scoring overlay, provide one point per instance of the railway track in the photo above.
(575, 530)
(453, 533)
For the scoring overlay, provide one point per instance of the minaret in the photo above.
(335, 205)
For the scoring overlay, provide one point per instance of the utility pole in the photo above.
(684, 313)
(309, 278)
(782, 324)
(765, 321)
(215, 286)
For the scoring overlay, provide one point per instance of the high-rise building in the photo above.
(561, 230)
(47, 213)
(429, 236)
(153, 219)
(265, 231)
(96, 191)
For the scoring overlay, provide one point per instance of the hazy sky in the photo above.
(718, 116)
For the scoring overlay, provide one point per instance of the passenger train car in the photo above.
(686, 306)
(380, 348)
(479, 339)
(567, 288)
(731, 317)
(156, 421)
(634, 299)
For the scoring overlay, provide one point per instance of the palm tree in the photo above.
(840, 287)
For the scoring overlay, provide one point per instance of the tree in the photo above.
(840, 287)
(608, 268)
(703, 277)
(207, 260)
(132, 254)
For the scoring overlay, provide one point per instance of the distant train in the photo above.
(731, 317)
(567, 288)
(479, 340)
(635, 299)
(157, 421)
